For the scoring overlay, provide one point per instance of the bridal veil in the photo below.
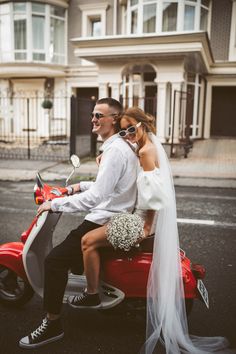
(166, 314)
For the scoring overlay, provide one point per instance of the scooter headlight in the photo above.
(38, 198)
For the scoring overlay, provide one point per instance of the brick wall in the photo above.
(220, 28)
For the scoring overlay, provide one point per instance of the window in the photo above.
(96, 28)
(5, 35)
(93, 19)
(20, 30)
(35, 32)
(163, 16)
(139, 87)
(203, 18)
(189, 18)
(57, 33)
(38, 31)
(169, 19)
(149, 18)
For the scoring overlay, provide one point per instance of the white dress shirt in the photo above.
(115, 187)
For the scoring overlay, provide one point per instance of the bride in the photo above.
(156, 209)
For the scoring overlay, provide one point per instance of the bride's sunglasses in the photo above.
(130, 130)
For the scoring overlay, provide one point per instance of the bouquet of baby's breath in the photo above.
(124, 230)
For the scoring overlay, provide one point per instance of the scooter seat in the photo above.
(147, 244)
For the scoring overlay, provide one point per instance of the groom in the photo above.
(114, 190)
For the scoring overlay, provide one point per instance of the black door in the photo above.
(223, 114)
(83, 142)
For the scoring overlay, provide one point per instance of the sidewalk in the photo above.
(210, 164)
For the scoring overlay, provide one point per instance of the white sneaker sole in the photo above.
(85, 307)
(36, 345)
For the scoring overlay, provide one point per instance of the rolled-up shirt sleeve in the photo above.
(111, 168)
(85, 185)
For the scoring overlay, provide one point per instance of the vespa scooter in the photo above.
(124, 275)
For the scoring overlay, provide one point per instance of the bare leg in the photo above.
(90, 244)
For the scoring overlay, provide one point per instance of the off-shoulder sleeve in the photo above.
(151, 191)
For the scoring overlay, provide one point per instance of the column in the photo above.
(103, 90)
(115, 90)
(175, 118)
(207, 124)
(6, 111)
(161, 110)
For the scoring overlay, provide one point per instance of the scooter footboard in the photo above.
(110, 296)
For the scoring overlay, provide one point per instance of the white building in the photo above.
(174, 58)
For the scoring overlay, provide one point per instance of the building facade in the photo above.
(176, 59)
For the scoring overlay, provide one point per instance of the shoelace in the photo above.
(80, 297)
(40, 329)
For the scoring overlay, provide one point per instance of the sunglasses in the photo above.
(130, 130)
(100, 115)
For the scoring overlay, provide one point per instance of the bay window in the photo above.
(35, 32)
(163, 16)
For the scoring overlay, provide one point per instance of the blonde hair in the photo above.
(139, 115)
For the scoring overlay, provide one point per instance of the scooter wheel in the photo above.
(14, 291)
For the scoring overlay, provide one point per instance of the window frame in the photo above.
(29, 13)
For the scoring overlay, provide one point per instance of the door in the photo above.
(223, 113)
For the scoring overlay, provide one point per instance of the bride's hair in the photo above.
(139, 115)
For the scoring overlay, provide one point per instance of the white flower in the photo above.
(124, 230)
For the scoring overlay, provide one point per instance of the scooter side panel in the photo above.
(130, 274)
(11, 257)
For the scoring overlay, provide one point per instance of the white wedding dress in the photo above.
(166, 315)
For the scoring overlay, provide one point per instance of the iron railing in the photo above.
(34, 127)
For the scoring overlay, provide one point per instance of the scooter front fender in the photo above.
(11, 257)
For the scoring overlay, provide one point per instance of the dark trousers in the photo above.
(67, 255)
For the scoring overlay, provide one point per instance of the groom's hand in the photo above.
(43, 207)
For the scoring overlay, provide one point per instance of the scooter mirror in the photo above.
(75, 161)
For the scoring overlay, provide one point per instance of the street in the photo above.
(206, 220)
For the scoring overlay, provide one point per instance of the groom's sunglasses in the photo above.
(130, 130)
(100, 115)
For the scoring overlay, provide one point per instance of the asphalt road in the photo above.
(207, 234)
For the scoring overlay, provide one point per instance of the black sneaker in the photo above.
(84, 300)
(47, 332)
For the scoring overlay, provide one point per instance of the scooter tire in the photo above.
(14, 291)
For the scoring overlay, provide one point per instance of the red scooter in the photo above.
(123, 277)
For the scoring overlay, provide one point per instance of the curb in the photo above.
(7, 175)
(212, 182)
